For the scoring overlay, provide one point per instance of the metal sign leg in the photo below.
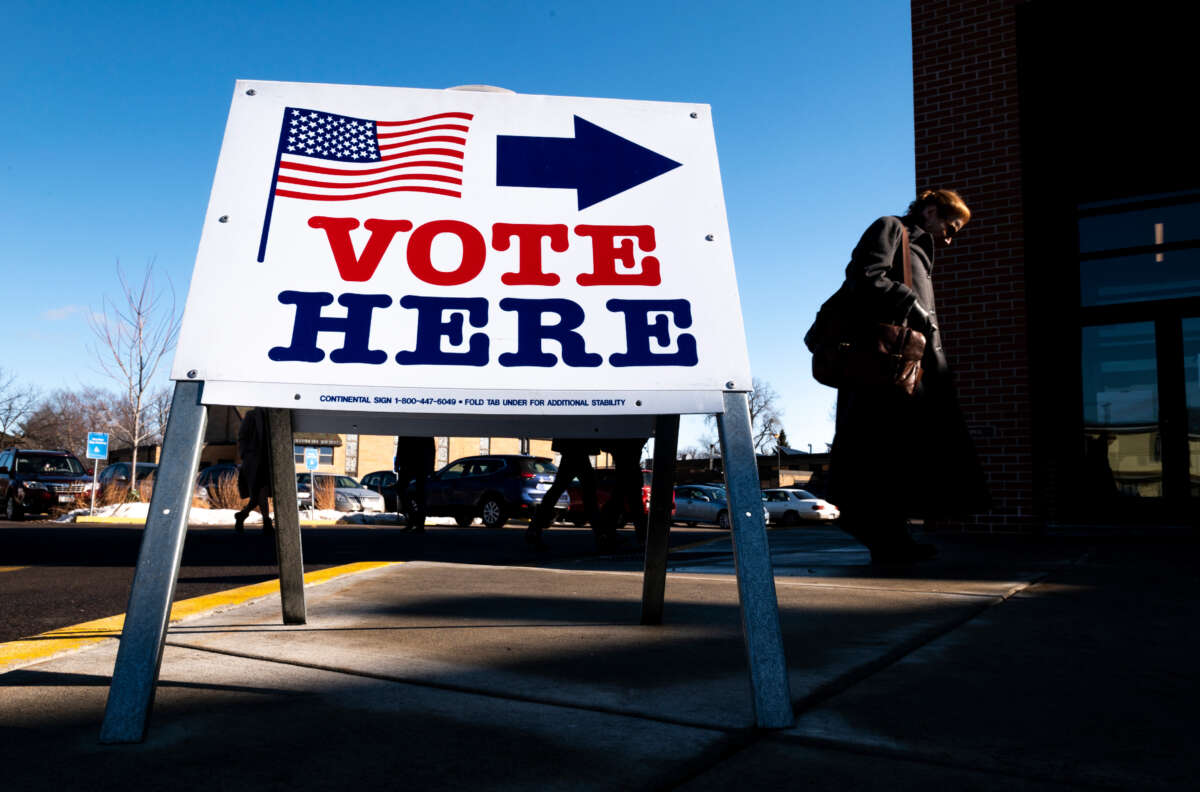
(752, 559)
(135, 674)
(287, 516)
(654, 578)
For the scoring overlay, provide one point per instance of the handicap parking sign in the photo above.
(311, 458)
(97, 445)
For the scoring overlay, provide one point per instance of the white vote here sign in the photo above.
(464, 252)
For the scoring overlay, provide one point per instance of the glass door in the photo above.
(1141, 419)
(1122, 435)
(1139, 301)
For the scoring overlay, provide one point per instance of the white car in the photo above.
(791, 506)
(348, 494)
(703, 503)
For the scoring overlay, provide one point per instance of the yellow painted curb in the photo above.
(10, 569)
(25, 651)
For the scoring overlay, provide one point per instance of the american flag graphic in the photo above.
(330, 157)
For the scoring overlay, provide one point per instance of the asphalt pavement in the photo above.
(1003, 664)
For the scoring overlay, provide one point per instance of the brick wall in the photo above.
(967, 139)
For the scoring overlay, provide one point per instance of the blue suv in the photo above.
(494, 488)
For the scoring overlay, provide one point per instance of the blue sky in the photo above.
(115, 112)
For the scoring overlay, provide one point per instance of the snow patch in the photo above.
(137, 512)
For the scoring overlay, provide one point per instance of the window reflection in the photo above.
(1191, 373)
(1122, 441)
(1138, 251)
(1140, 277)
(1139, 227)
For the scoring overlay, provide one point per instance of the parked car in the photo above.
(118, 473)
(494, 487)
(384, 482)
(348, 494)
(606, 479)
(704, 503)
(33, 481)
(790, 506)
(210, 479)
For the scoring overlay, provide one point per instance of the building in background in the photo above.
(1071, 303)
(351, 454)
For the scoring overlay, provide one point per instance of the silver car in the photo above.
(348, 494)
(704, 503)
(790, 506)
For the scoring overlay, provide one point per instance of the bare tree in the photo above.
(64, 418)
(16, 405)
(765, 420)
(135, 333)
(765, 417)
(157, 412)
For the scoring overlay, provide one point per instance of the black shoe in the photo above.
(534, 539)
(268, 529)
(239, 523)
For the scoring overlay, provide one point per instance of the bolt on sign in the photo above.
(398, 250)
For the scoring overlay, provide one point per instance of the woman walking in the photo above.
(897, 456)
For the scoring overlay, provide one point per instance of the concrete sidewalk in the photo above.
(1015, 665)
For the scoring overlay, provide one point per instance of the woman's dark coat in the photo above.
(253, 447)
(893, 453)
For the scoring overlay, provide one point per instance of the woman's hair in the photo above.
(949, 204)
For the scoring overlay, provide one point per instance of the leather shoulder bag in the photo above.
(849, 352)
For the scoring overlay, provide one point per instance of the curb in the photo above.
(142, 521)
(35, 649)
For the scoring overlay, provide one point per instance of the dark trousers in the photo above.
(414, 463)
(258, 499)
(625, 504)
(413, 504)
(572, 465)
(879, 529)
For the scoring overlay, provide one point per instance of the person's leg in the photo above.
(587, 483)
(256, 500)
(405, 500)
(885, 533)
(418, 502)
(543, 515)
(421, 469)
(239, 517)
(604, 527)
(615, 511)
(629, 473)
(264, 508)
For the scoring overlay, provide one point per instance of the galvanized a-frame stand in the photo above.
(135, 675)
(752, 559)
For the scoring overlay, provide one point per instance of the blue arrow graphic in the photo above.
(596, 163)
